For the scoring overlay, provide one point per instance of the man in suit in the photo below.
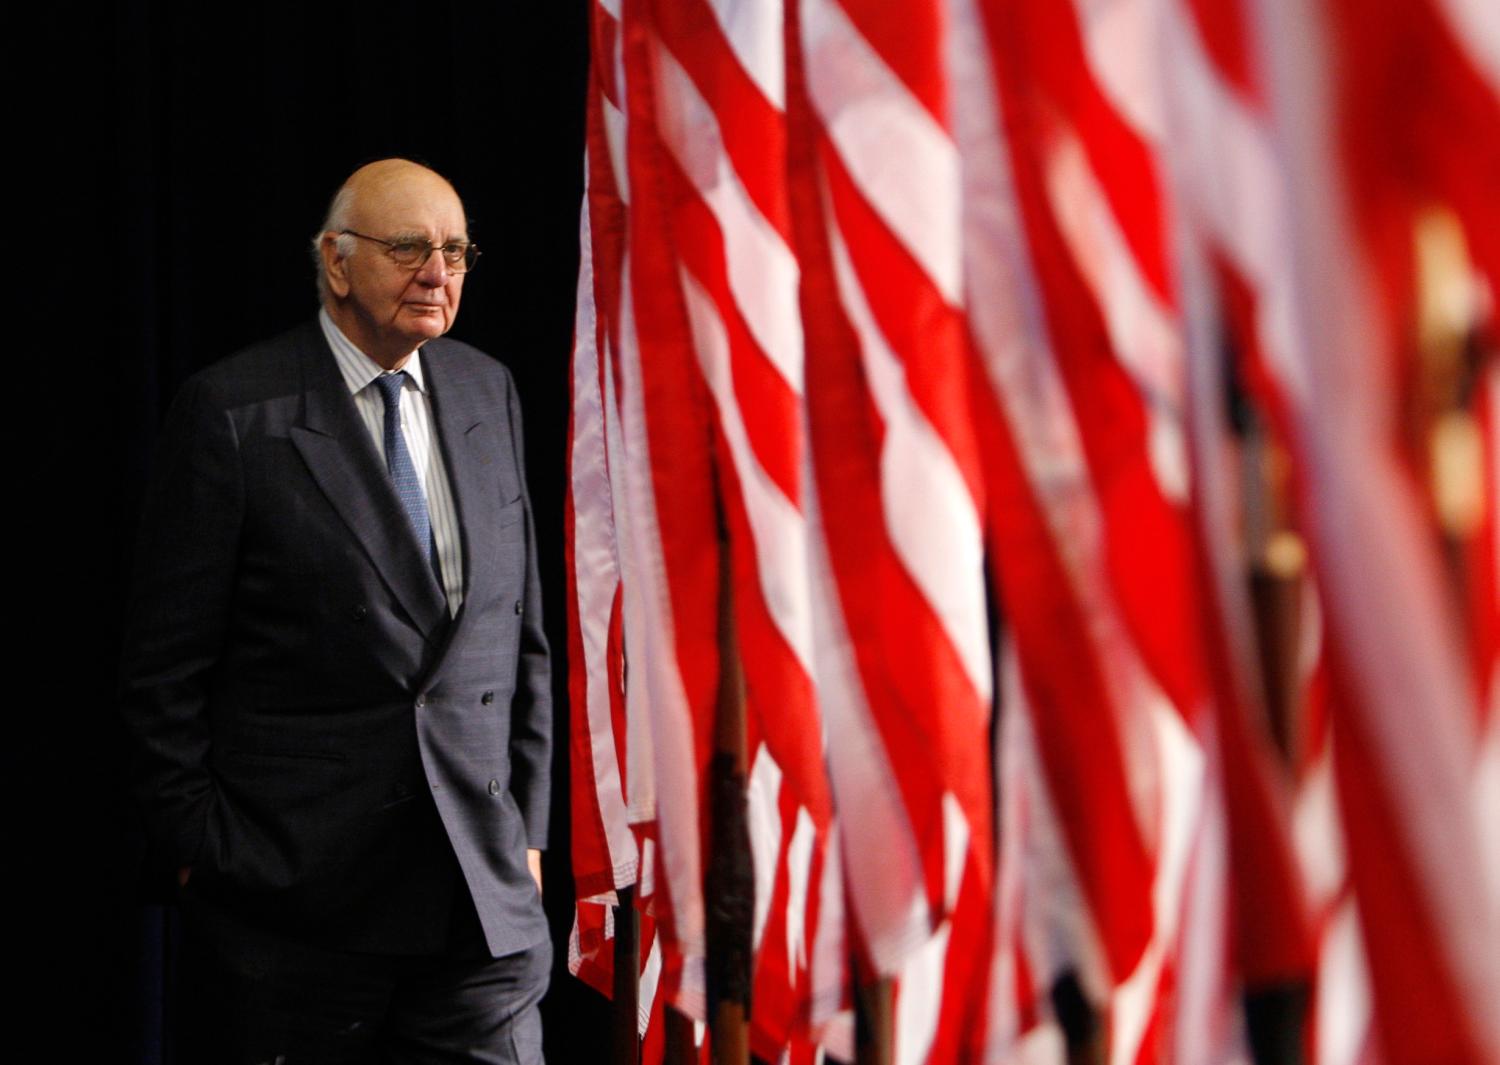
(335, 672)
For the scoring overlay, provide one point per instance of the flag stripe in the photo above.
(595, 578)
(728, 72)
(761, 270)
(738, 278)
(870, 116)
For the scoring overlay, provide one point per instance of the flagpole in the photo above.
(625, 1028)
(729, 882)
(681, 1046)
(874, 1038)
(1083, 1024)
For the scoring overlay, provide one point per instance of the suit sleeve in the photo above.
(531, 706)
(179, 613)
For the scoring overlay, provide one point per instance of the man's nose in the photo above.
(434, 270)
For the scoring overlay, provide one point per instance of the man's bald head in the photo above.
(367, 183)
(386, 308)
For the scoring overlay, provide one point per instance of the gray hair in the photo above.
(335, 221)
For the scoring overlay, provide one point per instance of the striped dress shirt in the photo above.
(359, 372)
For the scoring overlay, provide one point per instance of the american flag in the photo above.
(1086, 411)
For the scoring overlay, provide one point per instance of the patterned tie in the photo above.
(403, 472)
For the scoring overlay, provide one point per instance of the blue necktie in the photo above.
(403, 472)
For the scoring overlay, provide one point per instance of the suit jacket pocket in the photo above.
(284, 755)
(285, 814)
(281, 784)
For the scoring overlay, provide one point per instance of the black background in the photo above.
(169, 163)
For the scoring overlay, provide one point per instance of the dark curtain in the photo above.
(170, 163)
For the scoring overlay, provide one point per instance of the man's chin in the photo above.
(421, 328)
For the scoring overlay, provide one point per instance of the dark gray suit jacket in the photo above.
(332, 754)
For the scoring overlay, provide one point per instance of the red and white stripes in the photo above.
(1415, 841)
(914, 313)
(899, 570)
(719, 83)
(1073, 315)
(611, 778)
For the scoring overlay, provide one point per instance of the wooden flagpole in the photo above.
(625, 1040)
(729, 882)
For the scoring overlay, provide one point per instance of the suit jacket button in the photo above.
(487, 698)
(494, 787)
(518, 606)
(421, 701)
(359, 611)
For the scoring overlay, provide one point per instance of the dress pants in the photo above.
(254, 997)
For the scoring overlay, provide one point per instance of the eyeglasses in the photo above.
(458, 255)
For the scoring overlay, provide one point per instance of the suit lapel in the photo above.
(343, 461)
(469, 455)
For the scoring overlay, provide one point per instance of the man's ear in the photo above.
(335, 266)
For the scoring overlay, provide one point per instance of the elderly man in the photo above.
(335, 671)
